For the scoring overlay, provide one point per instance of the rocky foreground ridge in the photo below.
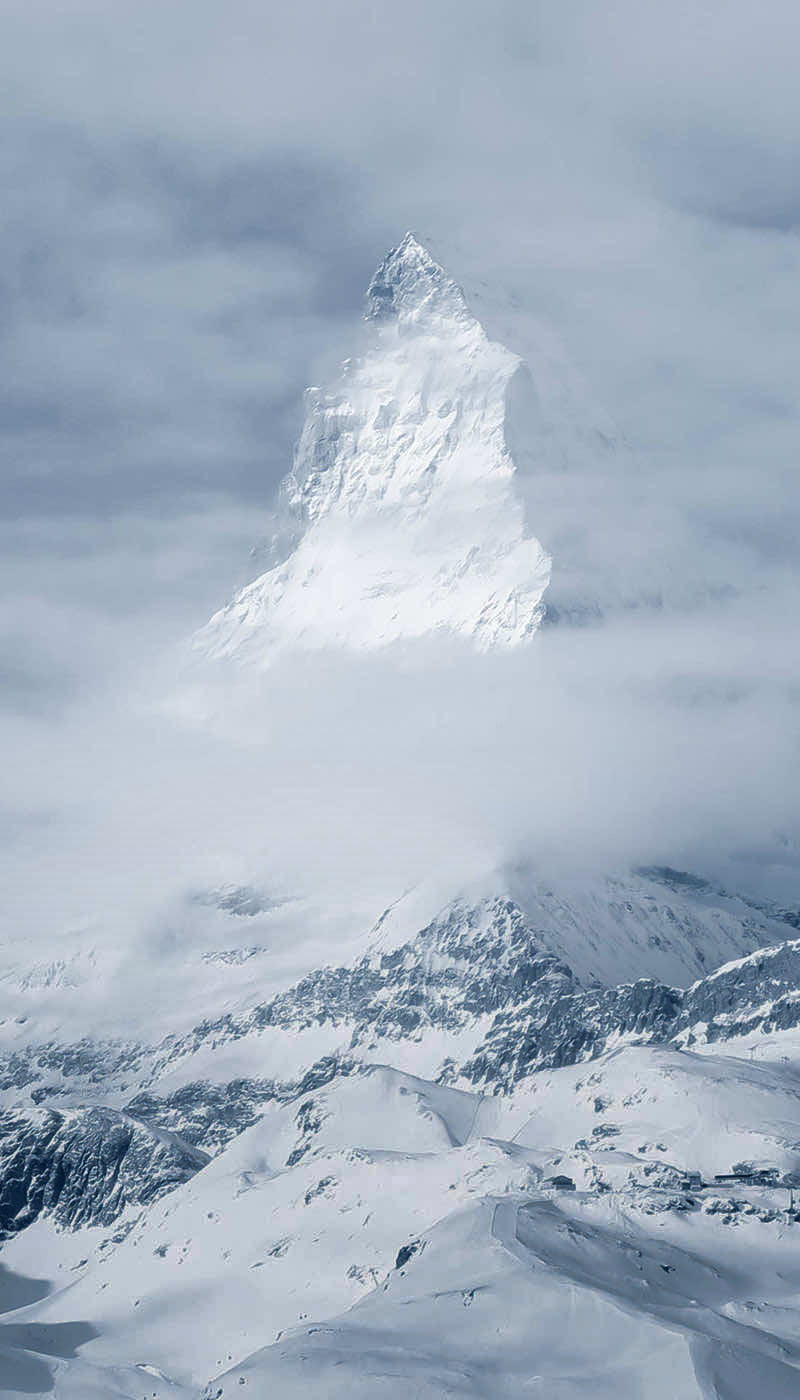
(479, 993)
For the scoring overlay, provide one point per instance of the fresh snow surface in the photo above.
(401, 516)
(620, 1290)
(384, 1235)
(515, 1297)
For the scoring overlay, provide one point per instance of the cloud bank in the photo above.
(197, 200)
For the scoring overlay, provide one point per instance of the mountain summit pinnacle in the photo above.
(409, 281)
(400, 514)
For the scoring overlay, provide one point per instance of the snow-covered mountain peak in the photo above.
(409, 283)
(401, 515)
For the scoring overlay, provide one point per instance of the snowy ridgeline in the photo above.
(260, 1200)
(490, 988)
(381, 1231)
(481, 997)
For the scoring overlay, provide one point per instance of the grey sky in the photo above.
(195, 196)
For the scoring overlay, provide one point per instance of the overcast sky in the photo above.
(195, 196)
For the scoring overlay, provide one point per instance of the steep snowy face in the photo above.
(401, 515)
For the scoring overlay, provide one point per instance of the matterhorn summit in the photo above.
(400, 514)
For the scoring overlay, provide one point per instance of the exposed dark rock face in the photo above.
(207, 1115)
(85, 1166)
(757, 993)
(472, 961)
(88, 1061)
(761, 992)
(483, 963)
(479, 968)
(562, 1029)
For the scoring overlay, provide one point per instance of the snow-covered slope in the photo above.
(472, 1001)
(635, 1286)
(435, 1218)
(512, 1298)
(363, 1229)
(483, 982)
(400, 512)
(494, 983)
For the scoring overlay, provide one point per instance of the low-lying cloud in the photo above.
(197, 201)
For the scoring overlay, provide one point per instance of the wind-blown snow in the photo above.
(401, 506)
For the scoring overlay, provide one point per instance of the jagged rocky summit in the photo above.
(400, 516)
(83, 1166)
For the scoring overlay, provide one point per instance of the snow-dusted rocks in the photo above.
(342, 1212)
(401, 517)
(514, 973)
(85, 1166)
